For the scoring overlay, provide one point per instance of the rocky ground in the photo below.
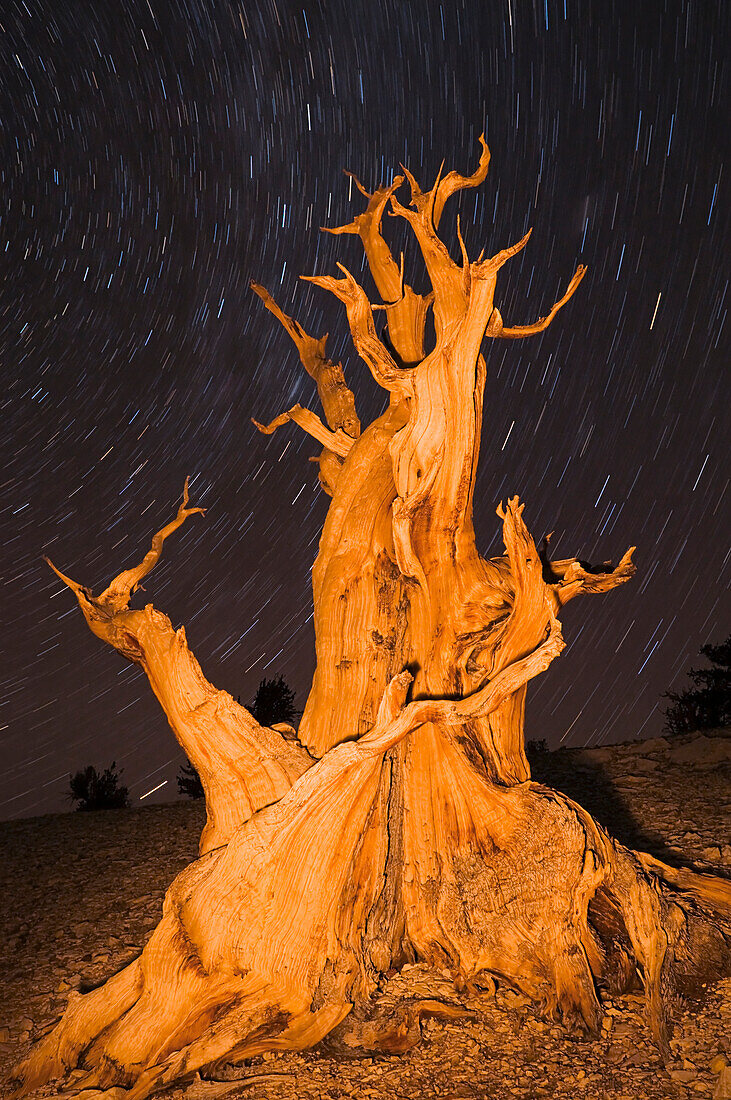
(80, 894)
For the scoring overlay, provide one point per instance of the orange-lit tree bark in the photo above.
(404, 824)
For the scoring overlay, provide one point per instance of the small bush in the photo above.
(93, 791)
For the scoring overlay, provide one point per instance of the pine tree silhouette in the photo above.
(707, 705)
(274, 702)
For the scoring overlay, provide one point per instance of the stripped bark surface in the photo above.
(403, 825)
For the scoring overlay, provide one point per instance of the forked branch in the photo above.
(432, 202)
(337, 399)
(445, 275)
(405, 310)
(455, 287)
(482, 319)
(572, 577)
(367, 343)
(367, 226)
(516, 332)
(338, 441)
(116, 595)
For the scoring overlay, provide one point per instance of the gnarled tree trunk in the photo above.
(404, 824)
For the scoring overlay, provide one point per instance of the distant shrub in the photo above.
(93, 791)
(706, 705)
(189, 782)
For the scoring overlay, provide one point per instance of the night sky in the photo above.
(157, 156)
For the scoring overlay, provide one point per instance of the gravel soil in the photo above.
(80, 894)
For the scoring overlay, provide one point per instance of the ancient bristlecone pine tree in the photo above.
(403, 824)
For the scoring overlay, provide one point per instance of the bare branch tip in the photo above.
(338, 230)
(415, 189)
(325, 282)
(484, 158)
(358, 184)
(460, 237)
(184, 511)
(73, 585)
(58, 572)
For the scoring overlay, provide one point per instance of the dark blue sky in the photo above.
(156, 157)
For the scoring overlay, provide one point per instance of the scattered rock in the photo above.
(683, 1076)
(642, 764)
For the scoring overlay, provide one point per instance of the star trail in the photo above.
(157, 157)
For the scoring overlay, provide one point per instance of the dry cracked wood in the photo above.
(404, 824)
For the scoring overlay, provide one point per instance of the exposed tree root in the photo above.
(389, 1026)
